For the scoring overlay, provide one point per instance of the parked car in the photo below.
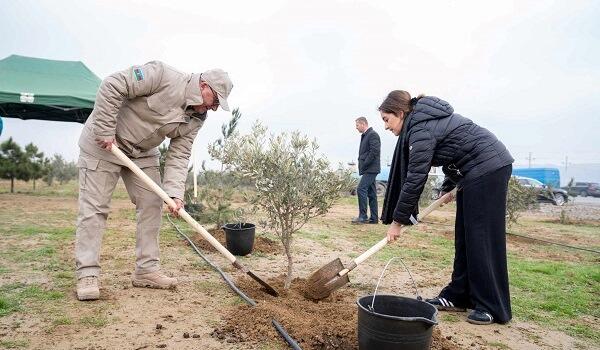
(380, 186)
(584, 189)
(556, 196)
(380, 181)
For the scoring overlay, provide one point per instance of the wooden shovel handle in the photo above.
(379, 245)
(170, 202)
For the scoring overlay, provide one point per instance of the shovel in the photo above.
(184, 215)
(334, 275)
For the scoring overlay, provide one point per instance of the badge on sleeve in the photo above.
(139, 74)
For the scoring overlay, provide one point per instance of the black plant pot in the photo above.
(239, 238)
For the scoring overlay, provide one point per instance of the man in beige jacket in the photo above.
(136, 109)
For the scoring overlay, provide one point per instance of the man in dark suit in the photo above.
(368, 167)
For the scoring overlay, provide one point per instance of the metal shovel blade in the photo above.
(325, 280)
(266, 286)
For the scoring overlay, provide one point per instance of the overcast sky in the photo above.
(527, 70)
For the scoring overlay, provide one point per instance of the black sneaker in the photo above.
(444, 304)
(480, 317)
(373, 222)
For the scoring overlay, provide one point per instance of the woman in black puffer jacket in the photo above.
(479, 165)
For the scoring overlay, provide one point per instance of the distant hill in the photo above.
(580, 172)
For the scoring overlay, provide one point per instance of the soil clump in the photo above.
(330, 323)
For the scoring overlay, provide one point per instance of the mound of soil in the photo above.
(261, 244)
(327, 324)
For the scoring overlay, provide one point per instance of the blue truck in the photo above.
(547, 176)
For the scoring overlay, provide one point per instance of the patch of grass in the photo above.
(67, 189)
(586, 230)
(50, 232)
(446, 317)
(61, 233)
(8, 306)
(38, 254)
(62, 321)
(498, 345)
(96, 321)
(13, 344)
(64, 275)
(556, 294)
(583, 330)
(36, 293)
(437, 251)
(348, 200)
(200, 265)
(27, 230)
(325, 238)
(42, 252)
(4, 270)
(207, 286)
(16, 294)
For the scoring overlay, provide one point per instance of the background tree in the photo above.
(217, 186)
(59, 169)
(13, 163)
(35, 162)
(292, 182)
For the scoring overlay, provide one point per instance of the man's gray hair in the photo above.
(362, 120)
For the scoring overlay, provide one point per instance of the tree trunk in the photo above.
(12, 185)
(288, 277)
(34, 184)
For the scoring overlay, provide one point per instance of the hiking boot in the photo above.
(153, 280)
(87, 288)
(480, 317)
(444, 304)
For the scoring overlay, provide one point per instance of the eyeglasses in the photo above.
(215, 97)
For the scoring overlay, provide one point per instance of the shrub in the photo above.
(519, 198)
(292, 182)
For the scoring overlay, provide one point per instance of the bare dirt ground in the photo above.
(202, 313)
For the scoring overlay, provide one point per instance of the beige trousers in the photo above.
(97, 181)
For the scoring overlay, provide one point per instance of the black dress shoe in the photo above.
(480, 317)
(444, 304)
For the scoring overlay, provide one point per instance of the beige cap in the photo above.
(219, 81)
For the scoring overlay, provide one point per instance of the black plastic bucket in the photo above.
(395, 322)
(239, 238)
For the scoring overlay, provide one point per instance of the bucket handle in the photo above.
(381, 276)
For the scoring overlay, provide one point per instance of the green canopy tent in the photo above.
(35, 88)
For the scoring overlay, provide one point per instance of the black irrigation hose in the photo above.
(285, 335)
(225, 277)
(528, 237)
(292, 343)
(556, 243)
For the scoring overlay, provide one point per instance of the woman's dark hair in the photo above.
(399, 101)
